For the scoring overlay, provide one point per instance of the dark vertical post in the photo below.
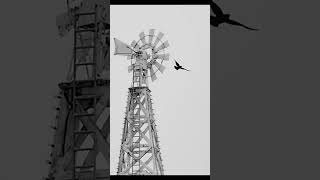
(74, 94)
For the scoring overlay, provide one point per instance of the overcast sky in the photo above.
(181, 99)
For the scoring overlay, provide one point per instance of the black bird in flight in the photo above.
(178, 66)
(223, 18)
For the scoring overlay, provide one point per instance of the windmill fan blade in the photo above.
(130, 68)
(142, 37)
(75, 3)
(160, 35)
(163, 46)
(64, 23)
(145, 47)
(70, 70)
(151, 34)
(122, 48)
(163, 56)
(159, 66)
(135, 45)
(152, 74)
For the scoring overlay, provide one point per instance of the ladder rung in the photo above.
(84, 47)
(106, 177)
(86, 97)
(85, 64)
(85, 171)
(85, 14)
(142, 145)
(85, 81)
(141, 117)
(84, 167)
(83, 132)
(84, 149)
(84, 114)
(85, 30)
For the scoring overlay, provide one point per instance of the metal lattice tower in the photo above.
(80, 147)
(140, 151)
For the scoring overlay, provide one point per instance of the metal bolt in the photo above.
(49, 162)
(53, 127)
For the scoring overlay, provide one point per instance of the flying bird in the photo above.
(178, 66)
(220, 18)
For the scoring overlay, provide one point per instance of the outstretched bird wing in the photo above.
(177, 64)
(232, 22)
(216, 9)
(185, 69)
(214, 21)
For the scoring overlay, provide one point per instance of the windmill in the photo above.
(140, 151)
(80, 145)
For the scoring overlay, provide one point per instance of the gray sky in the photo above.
(181, 99)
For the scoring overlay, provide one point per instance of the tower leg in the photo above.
(139, 152)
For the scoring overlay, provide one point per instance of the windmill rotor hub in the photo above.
(144, 55)
(148, 53)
